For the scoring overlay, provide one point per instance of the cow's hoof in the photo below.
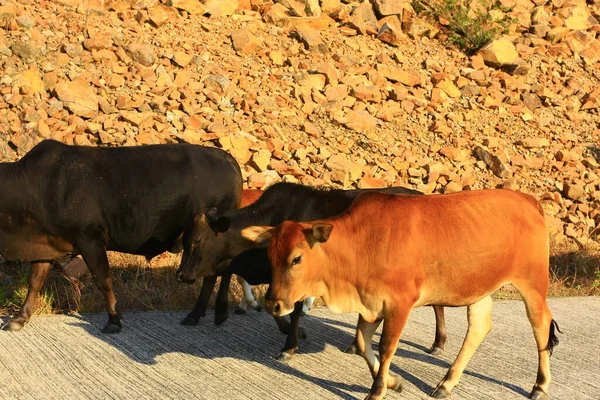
(351, 349)
(374, 396)
(190, 321)
(398, 386)
(302, 333)
(286, 355)
(111, 328)
(538, 394)
(440, 393)
(13, 326)
(239, 311)
(257, 307)
(435, 351)
(220, 318)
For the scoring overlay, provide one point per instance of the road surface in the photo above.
(66, 357)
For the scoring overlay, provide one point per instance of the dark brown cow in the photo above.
(389, 254)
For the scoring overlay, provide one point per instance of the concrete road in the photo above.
(66, 357)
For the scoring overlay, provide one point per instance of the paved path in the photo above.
(66, 357)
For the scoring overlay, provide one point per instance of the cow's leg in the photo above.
(199, 311)
(543, 326)
(291, 342)
(37, 277)
(479, 316)
(247, 298)
(222, 302)
(364, 343)
(440, 331)
(94, 255)
(353, 348)
(307, 305)
(392, 328)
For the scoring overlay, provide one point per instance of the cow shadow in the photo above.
(422, 355)
(254, 337)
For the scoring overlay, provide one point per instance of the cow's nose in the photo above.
(273, 307)
(183, 279)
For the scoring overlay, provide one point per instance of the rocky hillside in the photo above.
(323, 92)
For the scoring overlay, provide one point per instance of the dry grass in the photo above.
(575, 271)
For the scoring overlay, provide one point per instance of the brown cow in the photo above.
(389, 254)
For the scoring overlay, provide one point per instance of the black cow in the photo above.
(213, 239)
(59, 201)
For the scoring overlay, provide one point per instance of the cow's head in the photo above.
(204, 246)
(208, 242)
(296, 261)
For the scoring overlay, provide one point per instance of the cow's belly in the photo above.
(29, 246)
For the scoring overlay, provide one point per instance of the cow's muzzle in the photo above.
(182, 278)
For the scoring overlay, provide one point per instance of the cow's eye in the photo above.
(296, 260)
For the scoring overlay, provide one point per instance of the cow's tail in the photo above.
(552, 338)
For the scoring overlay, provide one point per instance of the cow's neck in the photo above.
(343, 267)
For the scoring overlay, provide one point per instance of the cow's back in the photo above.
(432, 240)
(141, 196)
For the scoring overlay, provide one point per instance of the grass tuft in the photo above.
(472, 24)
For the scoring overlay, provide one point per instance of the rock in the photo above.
(556, 34)
(158, 15)
(530, 143)
(420, 28)
(361, 121)
(454, 153)
(343, 170)
(8, 12)
(368, 182)
(311, 39)
(388, 7)
(78, 97)
(25, 50)
(449, 88)
(573, 191)
(193, 7)
(579, 18)
(6, 153)
(493, 162)
(331, 7)
(390, 30)
(142, 53)
(406, 78)
(220, 8)
(76, 268)
(296, 8)
(261, 159)
(26, 21)
(29, 81)
(499, 52)
(312, 8)
(263, 179)
(364, 19)
(245, 42)
(218, 83)
(182, 59)
(531, 100)
(452, 187)
(370, 94)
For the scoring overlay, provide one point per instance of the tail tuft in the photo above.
(553, 339)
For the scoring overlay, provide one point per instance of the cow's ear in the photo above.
(199, 219)
(217, 223)
(320, 232)
(258, 234)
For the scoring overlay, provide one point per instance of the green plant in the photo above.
(471, 26)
